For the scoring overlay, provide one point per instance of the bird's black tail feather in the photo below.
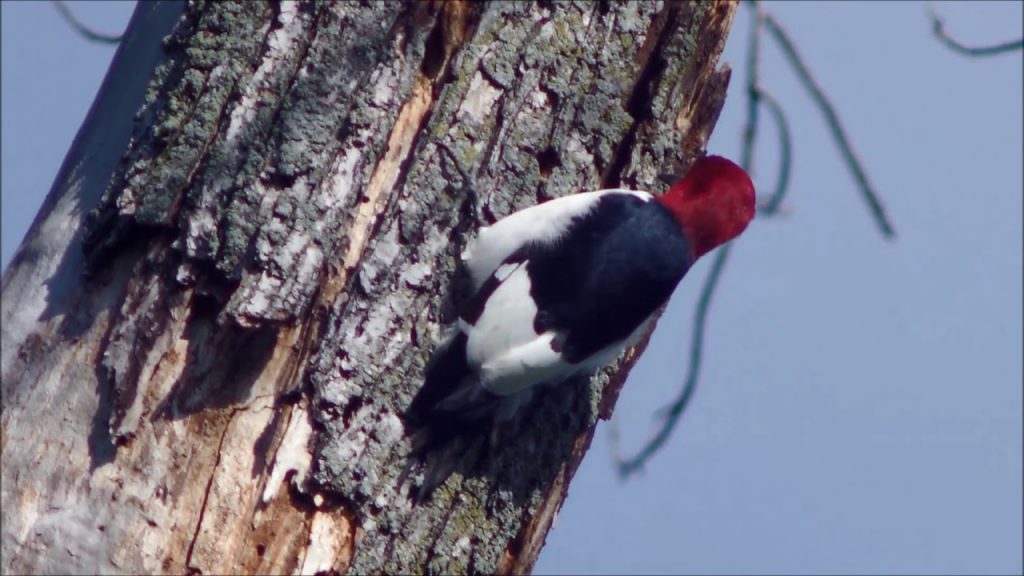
(449, 418)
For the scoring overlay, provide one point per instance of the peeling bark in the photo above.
(206, 372)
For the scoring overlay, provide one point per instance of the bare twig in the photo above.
(670, 414)
(673, 411)
(938, 28)
(835, 126)
(751, 83)
(81, 28)
(771, 207)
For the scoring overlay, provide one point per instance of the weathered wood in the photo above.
(212, 375)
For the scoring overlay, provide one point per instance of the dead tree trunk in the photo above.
(212, 327)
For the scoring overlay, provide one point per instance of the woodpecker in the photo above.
(562, 288)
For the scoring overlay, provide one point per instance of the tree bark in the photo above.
(227, 300)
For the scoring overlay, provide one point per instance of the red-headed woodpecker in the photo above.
(564, 287)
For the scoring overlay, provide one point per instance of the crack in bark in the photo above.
(206, 497)
(229, 194)
(638, 104)
(372, 206)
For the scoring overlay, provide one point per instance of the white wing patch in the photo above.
(541, 223)
(502, 346)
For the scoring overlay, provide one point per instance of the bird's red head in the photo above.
(713, 203)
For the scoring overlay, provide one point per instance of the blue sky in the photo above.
(860, 405)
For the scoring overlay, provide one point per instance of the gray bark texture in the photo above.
(229, 296)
